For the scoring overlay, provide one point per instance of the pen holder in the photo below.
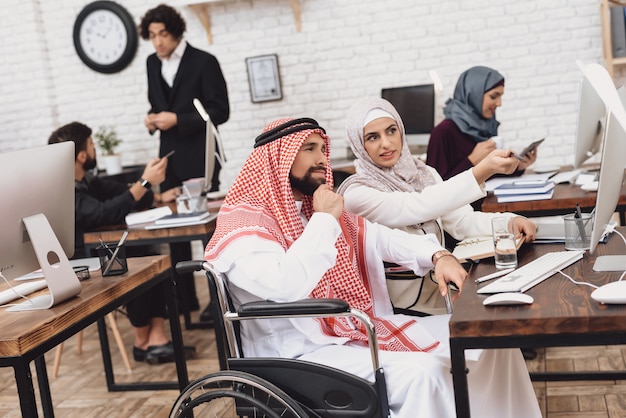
(112, 266)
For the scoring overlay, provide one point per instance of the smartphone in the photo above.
(531, 147)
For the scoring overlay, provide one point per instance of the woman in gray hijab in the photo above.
(464, 138)
(393, 188)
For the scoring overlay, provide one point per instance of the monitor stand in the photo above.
(60, 277)
(610, 263)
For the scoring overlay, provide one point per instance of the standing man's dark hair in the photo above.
(178, 73)
(173, 21)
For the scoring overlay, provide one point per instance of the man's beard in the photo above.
(90, 164)
(307, 185)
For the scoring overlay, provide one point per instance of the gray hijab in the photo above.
(465, 108)
(409, 174)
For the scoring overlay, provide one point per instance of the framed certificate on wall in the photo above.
(264, 78)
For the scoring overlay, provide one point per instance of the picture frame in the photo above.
(264, 78)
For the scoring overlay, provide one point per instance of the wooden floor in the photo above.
(80, 389)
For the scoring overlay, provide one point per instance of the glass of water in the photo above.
(505, 248)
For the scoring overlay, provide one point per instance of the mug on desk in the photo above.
(187, 204)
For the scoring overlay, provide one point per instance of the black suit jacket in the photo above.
(199, 75)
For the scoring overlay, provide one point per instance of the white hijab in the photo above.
(408, 174)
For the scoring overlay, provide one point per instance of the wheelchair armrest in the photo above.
(189, 266)
(300, 307)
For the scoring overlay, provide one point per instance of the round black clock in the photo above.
(105, 36)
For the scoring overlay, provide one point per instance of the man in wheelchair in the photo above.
(282, 234)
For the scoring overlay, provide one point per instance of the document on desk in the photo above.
(146, 216)
(494, 182)
(525, 197)
(182, 221)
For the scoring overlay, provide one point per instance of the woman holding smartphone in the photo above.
(466, 136)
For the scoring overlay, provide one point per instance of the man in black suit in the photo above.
(178, 73)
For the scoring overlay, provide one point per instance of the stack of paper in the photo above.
(184, 219)
(146, 216)
(524, 190)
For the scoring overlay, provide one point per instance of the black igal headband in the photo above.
(285, 129)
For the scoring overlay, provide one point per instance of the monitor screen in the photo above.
(212, 140)
(416, 106)
(589, 123)
(37, 180)
(596, 92)
(611, 175)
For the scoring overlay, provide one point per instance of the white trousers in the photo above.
(420, 384)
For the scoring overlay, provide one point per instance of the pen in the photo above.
(579, 223)
(448, 302)
(114, 256)
(493, 275)
(186, 191)
(169, 154)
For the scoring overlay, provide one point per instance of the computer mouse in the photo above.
(614, 292)
(508, 298)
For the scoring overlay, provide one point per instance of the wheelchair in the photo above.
(277, 387)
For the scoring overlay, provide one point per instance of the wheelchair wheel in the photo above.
(229, 394)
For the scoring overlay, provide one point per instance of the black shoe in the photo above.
(157, 354)
(206, 316)
(139, 354)
(529, 353)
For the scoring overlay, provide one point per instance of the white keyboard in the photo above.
(533, 273)
(25, 289)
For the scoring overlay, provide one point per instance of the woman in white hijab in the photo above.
(393, 188)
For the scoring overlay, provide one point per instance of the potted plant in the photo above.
(107, 140)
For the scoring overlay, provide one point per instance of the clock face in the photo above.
(105, 36)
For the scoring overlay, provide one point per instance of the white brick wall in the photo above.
(346, 49)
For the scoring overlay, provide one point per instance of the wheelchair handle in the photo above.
(189, 266)
(300, 307)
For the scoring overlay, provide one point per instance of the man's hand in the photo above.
(448, 269)
(525, 226)
(147, 121)
(155, 171)
(496, 162)
(169, 195)
(161, 120)
(326, 200)
(481, 150)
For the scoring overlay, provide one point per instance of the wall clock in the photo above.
(105, 36)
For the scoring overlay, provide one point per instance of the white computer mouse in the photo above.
(508, 298)
(614, 292)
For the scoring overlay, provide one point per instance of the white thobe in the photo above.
(419, 384)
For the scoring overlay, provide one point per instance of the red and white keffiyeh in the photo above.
(261, 203)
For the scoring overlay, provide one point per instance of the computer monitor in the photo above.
(212, 138)
(589, 124)
(416, 107)
(610, 186)
(596, 92)
(37, 219)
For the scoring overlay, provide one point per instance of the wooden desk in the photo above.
(563, 201)
(27, 336)
(138, 235)
(562, 314)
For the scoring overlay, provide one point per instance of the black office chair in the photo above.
(277, 387)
